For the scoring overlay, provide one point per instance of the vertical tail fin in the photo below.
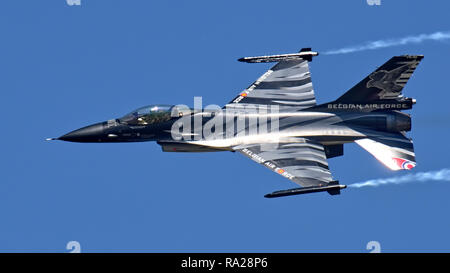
(385, 84)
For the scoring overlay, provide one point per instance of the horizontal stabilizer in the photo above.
(395, 152)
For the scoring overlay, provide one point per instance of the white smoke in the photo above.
(441, 175)
(437, 36)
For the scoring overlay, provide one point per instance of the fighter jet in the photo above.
(277, 123)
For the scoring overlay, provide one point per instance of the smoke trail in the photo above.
(437, 36)
(441, 175)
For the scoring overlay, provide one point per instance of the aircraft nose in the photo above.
(91, 133)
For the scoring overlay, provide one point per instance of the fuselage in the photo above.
(222, 129)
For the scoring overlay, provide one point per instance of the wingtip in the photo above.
(51, 138)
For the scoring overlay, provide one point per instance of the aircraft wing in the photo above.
(286, 84)
(303, 161)
(395, 151)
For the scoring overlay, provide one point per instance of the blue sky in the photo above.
(63, 67)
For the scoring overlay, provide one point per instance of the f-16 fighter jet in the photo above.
(277, 123)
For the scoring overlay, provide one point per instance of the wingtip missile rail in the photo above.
(331, 188)
(305, 54)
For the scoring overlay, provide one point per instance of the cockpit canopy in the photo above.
(147, 115)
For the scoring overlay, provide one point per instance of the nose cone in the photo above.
(91, 133)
